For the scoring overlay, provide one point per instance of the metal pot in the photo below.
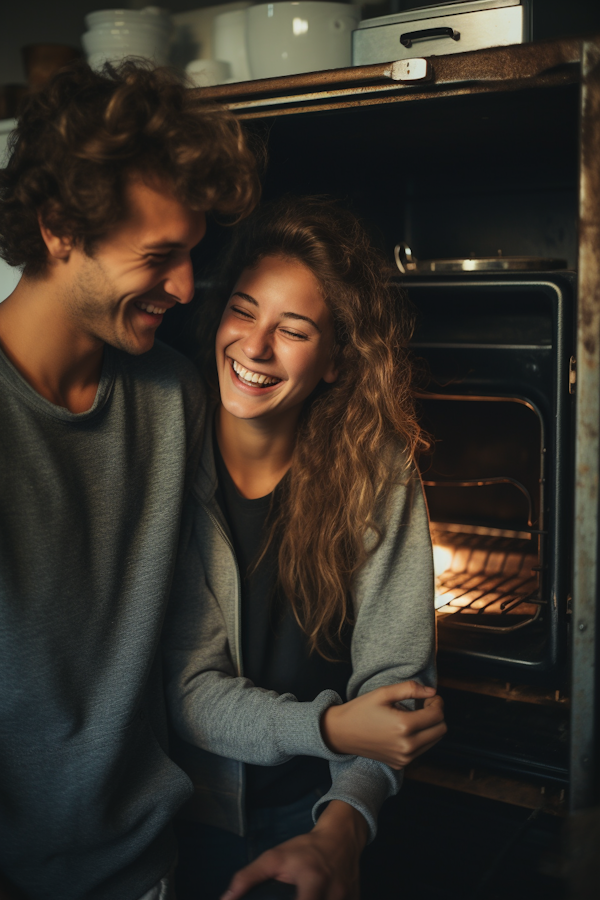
(410, 265)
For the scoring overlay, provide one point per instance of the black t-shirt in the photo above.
(275, 650)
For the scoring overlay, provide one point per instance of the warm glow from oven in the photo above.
(442, 560)
(477, 574)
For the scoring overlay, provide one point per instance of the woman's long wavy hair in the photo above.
(356, 436)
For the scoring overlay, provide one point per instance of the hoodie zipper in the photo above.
(238, 652)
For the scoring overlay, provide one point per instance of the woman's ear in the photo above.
(58, 247)
(331, 373)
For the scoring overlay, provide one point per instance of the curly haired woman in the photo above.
(305, 573)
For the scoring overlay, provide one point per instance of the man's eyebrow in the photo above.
(285, 315)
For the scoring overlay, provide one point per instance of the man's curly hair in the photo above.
(79, 139)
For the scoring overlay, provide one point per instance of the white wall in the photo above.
(9, 277)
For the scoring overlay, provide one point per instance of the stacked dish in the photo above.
(117, 33)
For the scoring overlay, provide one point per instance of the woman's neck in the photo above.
(257, 452)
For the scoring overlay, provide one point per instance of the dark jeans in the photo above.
(209, 857)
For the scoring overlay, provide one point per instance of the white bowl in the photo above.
(205, 72)
(229, 43)
(137, 32)
(94, 42)
(151, 15)
(116, 56)
(287, 38)
(115, 47)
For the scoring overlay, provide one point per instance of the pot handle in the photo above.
(405, 261)
(407, 39)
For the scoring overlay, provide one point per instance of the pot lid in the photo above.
(410, 265)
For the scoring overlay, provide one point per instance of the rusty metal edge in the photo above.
(356, 100)
(587, 446)
(481, 783)
(493, 687)
(520, 62)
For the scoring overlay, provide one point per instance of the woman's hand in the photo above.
(371, 725)
(323, 864)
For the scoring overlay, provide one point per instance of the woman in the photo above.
(305, 572)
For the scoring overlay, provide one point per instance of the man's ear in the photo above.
(58, 247)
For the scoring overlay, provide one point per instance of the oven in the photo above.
(496, 399)
(497, 477)
(498, 149)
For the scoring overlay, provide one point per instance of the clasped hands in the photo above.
(373, 726)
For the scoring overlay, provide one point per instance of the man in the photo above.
(103, 198)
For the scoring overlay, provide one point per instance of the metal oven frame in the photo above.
(507, 69)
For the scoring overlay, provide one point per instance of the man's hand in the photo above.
(323, 864)
(372, 726)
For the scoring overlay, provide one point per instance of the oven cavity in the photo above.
(484, 489)
(496, 409)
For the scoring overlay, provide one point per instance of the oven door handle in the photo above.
(407, 39)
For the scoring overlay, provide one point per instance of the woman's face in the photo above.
(275, 341)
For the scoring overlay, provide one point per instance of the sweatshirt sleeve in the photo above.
(393, 638)
(210, 705)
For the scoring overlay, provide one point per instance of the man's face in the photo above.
(139, 271)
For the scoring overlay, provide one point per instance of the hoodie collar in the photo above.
(205, 483)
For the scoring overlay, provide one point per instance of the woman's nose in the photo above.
(257, 344)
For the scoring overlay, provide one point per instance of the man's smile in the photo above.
(152, 308)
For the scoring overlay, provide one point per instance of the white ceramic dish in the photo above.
(193, 37)
(144, 32)
(288, 38)
(99, 50)
(229, 43)
(94, 41)
(151, 15)
(206, 72)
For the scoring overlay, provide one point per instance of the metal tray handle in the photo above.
(407, 39)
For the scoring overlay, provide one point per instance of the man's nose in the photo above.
(180, 281)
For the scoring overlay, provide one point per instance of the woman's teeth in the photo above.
(249, 377)
(155, 310)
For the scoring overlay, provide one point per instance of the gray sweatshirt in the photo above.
(223, 720)
(90, 508)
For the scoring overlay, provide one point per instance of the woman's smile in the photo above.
(251, 378)
(275, 342)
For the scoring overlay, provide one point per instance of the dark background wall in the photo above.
(61, 21)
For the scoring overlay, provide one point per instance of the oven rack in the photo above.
(486, 582)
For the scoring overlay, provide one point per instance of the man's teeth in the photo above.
(252, 377)
(155, 310)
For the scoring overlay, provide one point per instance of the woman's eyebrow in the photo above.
(245, 297)
(285, 315)
(291, 315)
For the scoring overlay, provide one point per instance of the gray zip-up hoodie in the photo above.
(223, 720)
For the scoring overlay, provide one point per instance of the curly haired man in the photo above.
(104, 196)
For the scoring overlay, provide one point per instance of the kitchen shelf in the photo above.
(539, 65)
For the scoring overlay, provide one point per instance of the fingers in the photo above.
(431, 744)
(434, 701)
(260, 870)
(404, 690)
(410, 748)
(410, 723)
(424, 738)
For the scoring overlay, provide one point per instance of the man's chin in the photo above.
(133, 341)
